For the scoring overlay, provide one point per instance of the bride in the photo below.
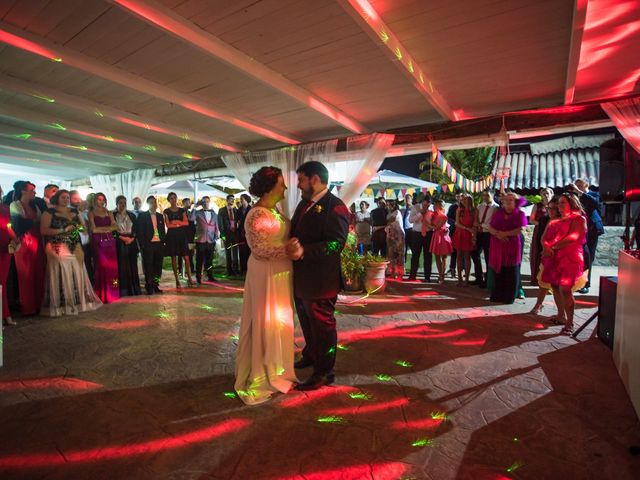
(264, 359)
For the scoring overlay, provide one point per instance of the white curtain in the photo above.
(105, 184)
(288, 159)
(135, 183)
(625, 115)
(365, 155)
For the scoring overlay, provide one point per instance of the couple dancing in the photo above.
(292, 262)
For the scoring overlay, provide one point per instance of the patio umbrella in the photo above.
(385, 179)
(187, 188)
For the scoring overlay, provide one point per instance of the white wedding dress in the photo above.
(264, 359)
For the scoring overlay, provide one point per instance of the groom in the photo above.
(320, 224)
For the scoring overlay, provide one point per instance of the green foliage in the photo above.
(371, 258)
(533, 199)
(351, 262)
(473, 163)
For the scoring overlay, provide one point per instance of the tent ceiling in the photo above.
(121, 76)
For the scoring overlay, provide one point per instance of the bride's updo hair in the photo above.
(264, 180)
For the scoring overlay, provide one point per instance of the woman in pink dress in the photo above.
(563, 254)
(30, 258)
(464, 237)
(548, 237)
(441, 245)
(103, 247)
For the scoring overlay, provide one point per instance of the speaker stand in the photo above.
(585, 324)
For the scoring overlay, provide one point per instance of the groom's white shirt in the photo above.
(316, 198)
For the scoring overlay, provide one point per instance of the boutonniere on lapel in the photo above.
(318, 208)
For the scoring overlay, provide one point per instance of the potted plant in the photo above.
(352, 266)
(375, 268)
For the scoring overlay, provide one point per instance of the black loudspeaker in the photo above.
(631, 174)
(612, 171)
(607, 310)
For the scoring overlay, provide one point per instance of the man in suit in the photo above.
(406, 223)
(420, 217)
(228, 226)
(320, 224)
(207, 234)
(592, 205)
(150, 231)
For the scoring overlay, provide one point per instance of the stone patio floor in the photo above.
(434, 382)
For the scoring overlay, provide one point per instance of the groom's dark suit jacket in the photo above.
(322, 231)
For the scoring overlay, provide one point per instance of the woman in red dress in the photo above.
(30, 258)
(441, 245)
(464, 237)
(7, 237)
(564, 260)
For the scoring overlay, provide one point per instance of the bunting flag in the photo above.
(458, 180)
(331, 187)
(339, 187)
(397, 192)
(431, 190)
(382, 191)
(404, 192)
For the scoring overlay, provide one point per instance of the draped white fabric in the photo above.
(288, 159)
(365, 155)
(625, 114)
(105, 184)
(135, 183)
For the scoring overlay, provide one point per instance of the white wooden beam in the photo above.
(44, 48)
(50, 95)
(169, 21)
(577, 31)
(30, 136)
(371, 22)
(66, 128)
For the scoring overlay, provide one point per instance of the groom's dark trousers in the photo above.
(321, 227)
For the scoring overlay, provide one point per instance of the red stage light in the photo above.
(380, 471)
(121, 325)
(426, 424)
(98, 454)
(55, 383)
(312, 396)
(369, 408)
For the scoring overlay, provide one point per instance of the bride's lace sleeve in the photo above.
(262, 229)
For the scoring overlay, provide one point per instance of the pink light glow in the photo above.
(94, 135)
(121, 325)
(469, 343)
(369, 408)
(65, 145)
(426, 424)
(368, 10)
(98, 454)
(329, 112)
(53, 383)
(380, 471)
(294, 401)
(27, 45)
(422, 332)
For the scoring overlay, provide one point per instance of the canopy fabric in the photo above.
(187, 188)
(385, 179)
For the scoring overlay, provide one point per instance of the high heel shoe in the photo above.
(189, 282)
(178, 286)
(536, 309)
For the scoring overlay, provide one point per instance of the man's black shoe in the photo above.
(157, 289)
(149, 291)
(316, 381)
(303, 363)
(584, 290)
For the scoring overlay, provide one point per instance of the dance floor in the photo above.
(434, 382)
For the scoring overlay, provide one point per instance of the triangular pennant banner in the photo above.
(404, 192)
(431, 190)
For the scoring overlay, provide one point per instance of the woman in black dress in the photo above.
(176, 243)
(127, 248)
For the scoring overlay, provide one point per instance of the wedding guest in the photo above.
(549, 236)
(176, 242)
(485, 212)
(150, 232)
(451, 219)
(85, 237)
(227, 224)
(378, 225)
(190, 231)
(635, 236)
(103, 248)
(406, 223)
(592, 205)
(395, 242)
(363, 228)
(243, 247)
(264, 358)
(30, 258)
(464, 238)
(505, 253)
(441, 245)
(137, 206)
(566, 265)
(49, 191)
(420, 218)
(127, 249)
(68, 290)
(207, 235)
(8, 244)
(539, 217)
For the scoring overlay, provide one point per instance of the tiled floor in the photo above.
(433, 382)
